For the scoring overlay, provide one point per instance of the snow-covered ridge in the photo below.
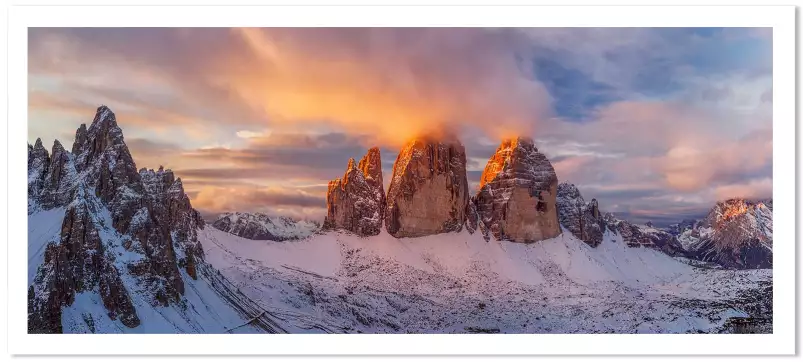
(459, 283)
(259, 226)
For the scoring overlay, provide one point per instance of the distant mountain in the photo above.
(258, 226)
(736, 234)
(585, 221)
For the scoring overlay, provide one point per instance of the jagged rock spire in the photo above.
(355, 201)
(516, 200)
(582, 219)
(60, 179)
(38, 164)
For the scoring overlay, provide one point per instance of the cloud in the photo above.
(753, 189)
(683, 114)
(393, 83)
(689, 168)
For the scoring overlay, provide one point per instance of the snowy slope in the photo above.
(210, 303)
(458, 283)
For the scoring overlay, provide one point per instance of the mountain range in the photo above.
(115, 249)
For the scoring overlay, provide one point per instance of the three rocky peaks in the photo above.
(520, 200)
(428, 193)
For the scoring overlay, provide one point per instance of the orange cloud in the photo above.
(392, 83)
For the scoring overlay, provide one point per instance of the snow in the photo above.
(320, 255)
(43, 227)
(458, 283)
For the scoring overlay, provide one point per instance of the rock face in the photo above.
(637, 236)
(355, 202)
(258, 226)
(429, 191)
(518, 187)
(586, 221)
(38, 164)
(59, 183)
(736, 234)
(119, 225)
(582, 219)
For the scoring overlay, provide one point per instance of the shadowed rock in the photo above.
(582, 219)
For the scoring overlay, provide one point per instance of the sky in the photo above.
(657, 124)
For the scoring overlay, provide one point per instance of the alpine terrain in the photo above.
(113, 249)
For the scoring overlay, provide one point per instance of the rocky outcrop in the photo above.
(643, 236)
(258, 226)
(170, 203)
(736, 234)
(119, 225)
(38, 164)
(79, 262)
(355, 202)
(428, 193)
(473, 223)
(60, 179)
(582, 219)
(518, 187)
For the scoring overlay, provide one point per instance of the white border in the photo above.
(782, 19)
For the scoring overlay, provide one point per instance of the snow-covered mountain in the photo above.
(737, 233)
(115, 250)
(259, 226)
(587, 222)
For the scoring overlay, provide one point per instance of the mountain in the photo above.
(582, 219)
(736, 234)
(258, 226)
(428, 191)
(516, 200)
(586, 222)
(116, 250)
(356, 202)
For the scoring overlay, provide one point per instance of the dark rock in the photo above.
(38, 164)
(582, 219)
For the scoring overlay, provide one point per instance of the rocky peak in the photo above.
(580, 218)
(730, 209)
(736, 233)
(112, 210)
(371, 166)
(60, 179)
(517, 193)
(38, 164)
(428, 192)
(354, 202)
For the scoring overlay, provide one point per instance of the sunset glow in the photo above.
(656, 124)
